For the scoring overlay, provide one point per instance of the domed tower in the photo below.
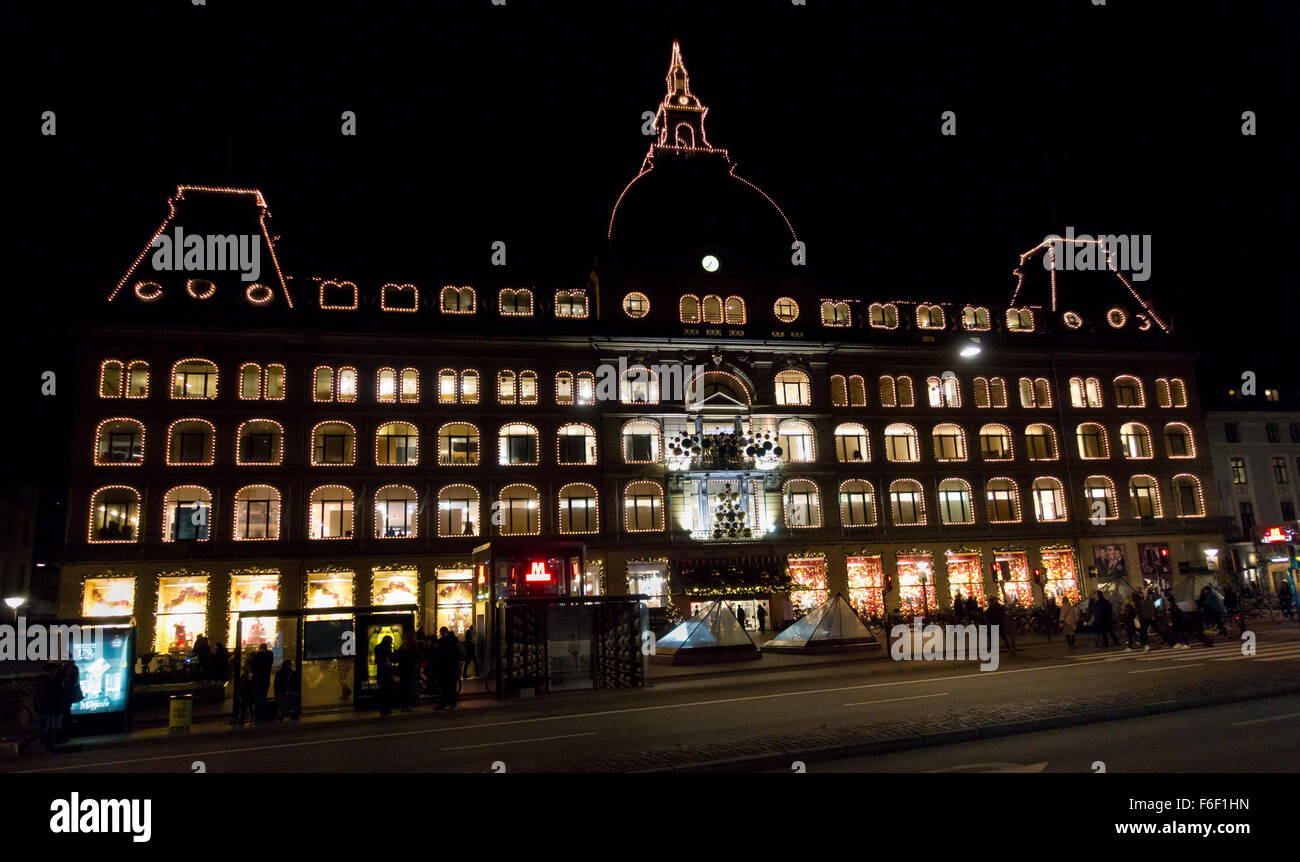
(687, 211)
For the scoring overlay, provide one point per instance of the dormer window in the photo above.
(515, 302)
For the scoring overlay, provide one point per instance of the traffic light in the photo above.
(1164, 560)
(889, 583)
(1038, 577)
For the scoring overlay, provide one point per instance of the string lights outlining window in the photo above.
(1049, 499)
(907, 503)
(996, 443)
(457, 300)
(883, 315)
(458, 445)
(839, 391)
(515, 302)
(902, 444)
(943, 391)
(688, 308)
(1101, 490)
(191, 442)
(1085, 392)
(786, 309)
(397, 444)
(520, 507)
(836, 313)
(640, 385)
(929, 316)
(793, 388)
(333, 444)
(399, 297)
(571, 304)
(329, 384)
(1144, 493)
(114, 515)
(1093, 442)
(852, 444)
(259, 442)
(642, 441)
(1035, 392)
(194, 377)
(949, 442)
(1135, 438)
(517, 445)
(397, 512)
(1020, 320)
(118, 380)
(643, 507)
(857, 503)
(1179, 442)
(803, 507)
(1129, 392)
(797, 441)
(579, 509)
(956, 506)
(1002, 500)
(636, 304)
(896, 391)
(975, 318)
(187, 514)
(119, 441)
(575, 443)
(1189, 498)
(1041, 442)
(458, 511)
(330, 513)
(257, 514)
(338, 295)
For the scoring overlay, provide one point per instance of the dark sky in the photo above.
(522, 123)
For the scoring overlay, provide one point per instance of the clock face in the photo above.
(710, 263)
(682, 100)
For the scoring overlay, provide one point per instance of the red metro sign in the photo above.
(1275, 535)
(538, 572)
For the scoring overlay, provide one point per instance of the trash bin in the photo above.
(181, 713)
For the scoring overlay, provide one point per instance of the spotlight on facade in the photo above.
(710, 263)
(971, 348)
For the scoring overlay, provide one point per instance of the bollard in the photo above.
(181, 713)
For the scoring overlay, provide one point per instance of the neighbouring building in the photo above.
(701, 418)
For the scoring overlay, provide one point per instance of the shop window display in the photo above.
(182, 613)
(649, 579)
(108, 597)
(1061, 574)
(916, 584)
(395, 587)
(809, 577)
(866, 580)
(329, 590)
(455, 601)
(259, 592)
(1016, 588)
(965, 573)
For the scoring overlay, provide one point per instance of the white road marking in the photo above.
(1158, 669)
(894, 699)
(1262, 720)
(518, 741)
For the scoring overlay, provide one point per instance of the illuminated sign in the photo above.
(1276, 534)
(103, 660)
(538, 572)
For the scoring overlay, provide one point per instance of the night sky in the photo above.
(522, 123)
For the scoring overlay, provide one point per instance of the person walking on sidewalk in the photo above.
(448, 668)
(1148, 616)
(384, 670)
(761, 613)
(1103, 621)
(471, 654)
(998, 616)
(261, 663)
(1130, 619)
(1069, 620)
(49, 706)
(1285, 598)
(1212, 607)
(282, 689)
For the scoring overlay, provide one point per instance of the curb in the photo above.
(762, 762)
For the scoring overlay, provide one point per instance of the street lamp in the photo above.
(14, 603)
(970, 348)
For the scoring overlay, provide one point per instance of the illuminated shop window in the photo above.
(949, 442)
(397, 444)
(1020, 319)
(809, 576)
(1092, 441)
(1128, 392)
(916, 584)
(191, 441)
(906, 503)
(1049, 499)
(458, 444)
(114, 515)
(1188, 496)
(1085, 392)
(1099, 494)
(194, 378)
(966, 576)
(517, 444)
(520, 507)
(1035, 393)
(454, 601)
(643, 507)
(995, 443)
(259, 441)
(330, 513)
(943, 391)
(458, 511)
(1135, 439)
(182, 613)
(797, 441)
(394, 586)
(640, 385)
(649, 578)
(1179, 442)
(929, 316)
(187, 514)
(793, 388)
(571, 303)
(333, 444)
(851, 443)
(884, 316)
(1145, 494)
(866, 584)
(575, 443)
(636, 305)
(901, 443)
(457, 300)
(397, 511)
(108, 597)
(857, 503)
(119, 441)
(255, 592)
(1002, 497)
(257, 513)
(955, 504)
(515, 302)
(836, 313)
(786, 310)
(1062, 574)
(579, 508)
(1040, 443)
(330, 589)
(1016, 588)
(975, 319)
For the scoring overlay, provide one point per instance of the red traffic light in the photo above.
(1164, 552)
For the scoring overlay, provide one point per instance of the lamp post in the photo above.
(14, 603)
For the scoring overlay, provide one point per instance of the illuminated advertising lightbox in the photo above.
(103, 659)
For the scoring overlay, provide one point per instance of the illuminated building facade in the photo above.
(701, 418)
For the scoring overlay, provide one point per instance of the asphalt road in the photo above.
(687, 722)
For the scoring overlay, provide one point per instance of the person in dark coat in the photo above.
(740, 616)
(471, 654)
(1285, 598)
(406, 676)
(761, 613)
(282, 689)
(49, 706)
(261, 663)
(220, 663)
(1184, 623)
(202, 657)
(70, 688)
(447, 666)
(997, 616)
(958, 606)
(246, 697)
(1103, 621)
(384, 670)
(972, 608)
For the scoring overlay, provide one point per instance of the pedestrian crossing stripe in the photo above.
(1226, 651)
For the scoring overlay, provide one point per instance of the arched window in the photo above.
(643, 507)
(458, 444)
(636, 305)
(943, 391)
(397, 512)
(906, 503)
(410, 391)
(803, 507)
(786, 310)
(458, 511)
(1145, 494)
(836, 313)
(884, 315)
(259, 441)
(929, 316)
(857, 503)
(641, 442)
(586, 388)
(1035, 393)
(1179, 442)
(903, 385)
(688, 308)
(517, 444)
(888, 392)
(1128, 391)
(1092, 441)
(1040, 443)
(1049, 499)
(575, 443)
(997, 392)
(187, 514)
(329, 513)
(347, 384)
(851, 443)
(333, 444)
(507, 392)
(1020, 319)
(194, 378)
(191, 441)
(975, 318)
(796, 439)
(792, 388)
(733, 311)
(1085, 392)
(901, 443)
(1177, 389)
(579, 507)
(447, 390)
(399, 297)
(1163, 398)
(839, 391)
(1002, 497)
(1099, 495)
(111, 377)
(980, 385)
(571, 303)
(995, 443)
(955, 505)
(1189, 499)
(528, 388)
(386, 385)
(119, 441)
(257, 513)
(250, 381)
(949, 442)
(640, 385)
(515, 302)
(457, 300)
(469, 386)
(397, 444)
(520, 507)
(857, 391)
(114, 515)
(1136, 440)
(711, 309)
